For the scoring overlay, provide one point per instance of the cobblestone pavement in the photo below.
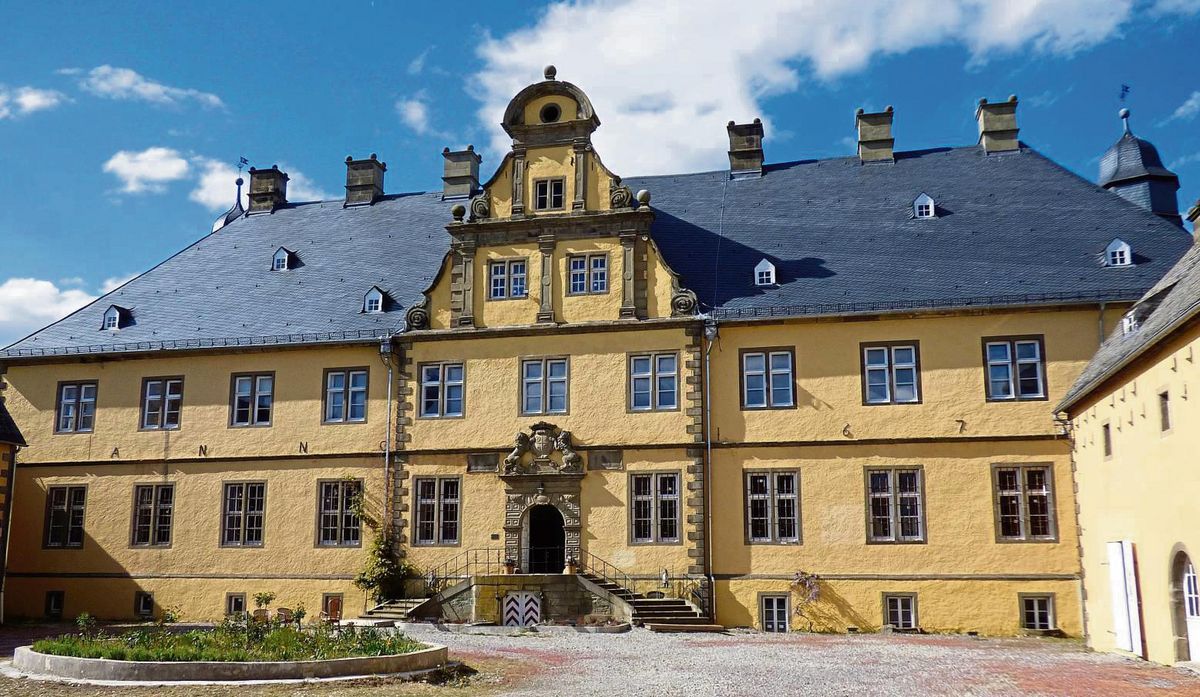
(642, 663)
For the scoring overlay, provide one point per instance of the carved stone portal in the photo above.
(543, 469)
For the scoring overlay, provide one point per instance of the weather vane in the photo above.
(242, 162)
(1124, 92)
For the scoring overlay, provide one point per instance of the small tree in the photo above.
(808, 587)
(262, 600)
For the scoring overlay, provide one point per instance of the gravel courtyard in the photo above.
(642, 663)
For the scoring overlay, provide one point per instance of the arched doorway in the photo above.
(1185, 608)
(545, 551)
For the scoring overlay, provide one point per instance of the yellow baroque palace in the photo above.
(811, 395)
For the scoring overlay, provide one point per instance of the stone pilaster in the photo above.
(628, 275)
(518, 181)
(581, 150)
(546, 309)
(466, 253)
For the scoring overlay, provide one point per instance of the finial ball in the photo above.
(459, 211)
(1124, 113)
(643, 197)
(550, 72)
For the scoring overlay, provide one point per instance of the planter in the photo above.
(26, 660)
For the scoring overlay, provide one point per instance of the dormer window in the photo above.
(114, 318)
(1118, 253)
(764, 273)
(1129, 323)
(373, 301)
(923, 207)
(282, 260)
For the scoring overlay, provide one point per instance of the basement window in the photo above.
(923, 206)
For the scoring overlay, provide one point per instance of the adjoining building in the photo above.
(10, 441)
(708, 386)
(1133, 419)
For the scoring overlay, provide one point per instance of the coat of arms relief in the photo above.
(535, 452)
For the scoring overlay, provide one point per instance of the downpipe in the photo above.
(710, 334)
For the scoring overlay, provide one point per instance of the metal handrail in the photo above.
(462, 566)
(604, 571)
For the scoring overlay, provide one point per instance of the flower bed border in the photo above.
(26, 660)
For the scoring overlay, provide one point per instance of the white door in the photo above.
(1191, 603)
(521, 609)
(1127, 617)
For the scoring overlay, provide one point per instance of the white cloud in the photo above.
(1186, 111)
(414, 112)
(29, 303)
(216, 187)
(675, 71)
(111, 284)
(123, 83)
(417, 65)
(148, 170)
(1185, 160)
(27, 100)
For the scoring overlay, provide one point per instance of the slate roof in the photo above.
(1012, 229)
(1171, 303)
(8, 428)
(1130, 158)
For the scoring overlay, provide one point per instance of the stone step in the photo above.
(664, 627)
(640, 614)
(671, 619)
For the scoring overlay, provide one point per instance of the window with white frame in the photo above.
(242, 514)
(1016, 368)
(1129, 322)
(654, 382)
(588, 274)
(923, 206)
(900, 611)
(441, 390)
(654, 515)
(76, 407)
(1118, 253)
(253, 397)
(1024, 503)
(345, 395)
(890, 373)
(438, 510)
(338, 524)
(281, 260)
(507, 279)
(767, 379)
(544, 383)
(764, 273)
(154, 506)
(373, 301)
(773, 507)
(895, 505)
(773, 613)
(1037, 612)
(112, 318)
(162, 403)
(548, 194)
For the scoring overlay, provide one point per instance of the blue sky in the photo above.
(120, 126)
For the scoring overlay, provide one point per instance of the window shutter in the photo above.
(1127, 620)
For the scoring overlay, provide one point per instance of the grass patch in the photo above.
(233, 640)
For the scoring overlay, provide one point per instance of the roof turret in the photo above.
(1133, 169)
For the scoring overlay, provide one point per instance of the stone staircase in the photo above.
(397, 610)
(658, 614)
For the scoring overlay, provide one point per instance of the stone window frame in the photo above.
(911, 596)
(773, 499)
(787, 611)
(656, 499)
(588, 273)
(767, 352)
(890, 368)
(165, 400)
(545, 398)
(1106, 440)
(438, 510)
(894, 505)
(341, 598)
(1051, 503)
(68, 508)
(347, 391)
(508, 275)
(549, 182)
(153, 540)
(1166, 412)
(48, 611)
(255, 395)
(653, 375)
(229, 611)
(1051, 611)
(139, 610)
(1014, 363)
(342, 511)
(442, 385)
(77, 405)
(223, 528)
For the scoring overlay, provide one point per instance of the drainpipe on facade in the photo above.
(710, 333)
(1103, 307)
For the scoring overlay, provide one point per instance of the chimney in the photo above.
(460, 173)
(875, 141)
(998, 125)
(364, 180)
(745, 149)
(268, 190)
